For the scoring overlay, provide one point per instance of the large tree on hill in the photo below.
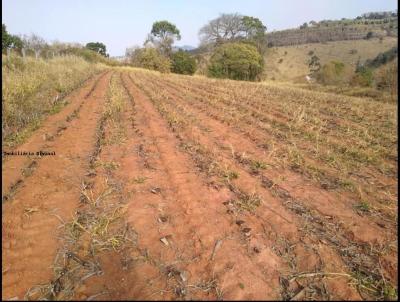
(163, 35)
(252, 27)
(97, 47)
(225, 27)
(254, 30)
(231, 27)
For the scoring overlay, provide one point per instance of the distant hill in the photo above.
(288, 63)
(370, 25)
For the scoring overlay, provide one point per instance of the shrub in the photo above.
(383, 58)
(369, 35)
(387, 78)
(183, 63)
(334, 73)
(150, 58)
(237, 61)
(363, 77)
(314, 64)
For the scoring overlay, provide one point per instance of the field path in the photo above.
(30, 218)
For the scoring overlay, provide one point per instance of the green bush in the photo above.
(383, 58)
(150, 58)
(183, 63)
(334, 73)
(237, 61)
(363, 77)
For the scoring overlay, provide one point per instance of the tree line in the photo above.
(237, 44)
(37, 46)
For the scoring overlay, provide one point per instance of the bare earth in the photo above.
(153, 195)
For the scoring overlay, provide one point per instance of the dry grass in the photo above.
(31, 89)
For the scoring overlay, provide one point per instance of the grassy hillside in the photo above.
(290, 63)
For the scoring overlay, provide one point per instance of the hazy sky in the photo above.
(123, 23)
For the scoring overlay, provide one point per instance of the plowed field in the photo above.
(167, 187)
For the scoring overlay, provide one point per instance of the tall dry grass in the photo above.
(34, 88)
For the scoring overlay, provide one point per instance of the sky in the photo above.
(123, 23)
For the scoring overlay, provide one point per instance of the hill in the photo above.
(288, 63)
(362, 27)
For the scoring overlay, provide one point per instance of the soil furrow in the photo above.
(231, 142)
(301, 252)
(329, 230)
(297, 124)
(20, 167)
(29, 222)
(199, 219)
(379, 196)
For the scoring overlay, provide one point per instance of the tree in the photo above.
(238, 61)
(34, 43)
(97, 47)
(254, 30)
(234, 27)
(130, 51)
(305, 25)
(252, 27)
(5, 38)
(183, 63)
(10, 41)
(163, 35)
(225, 27)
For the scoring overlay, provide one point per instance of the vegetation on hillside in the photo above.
(228, 28)
(157, 53)
(334, 73)
(163, 34)
(33, 88)
(183, 63)
(149, 58)
(97, 47)
(382, 58)
(296, 58)
(370, 25)
(237, 61)
(34, 45)
(379, 80)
